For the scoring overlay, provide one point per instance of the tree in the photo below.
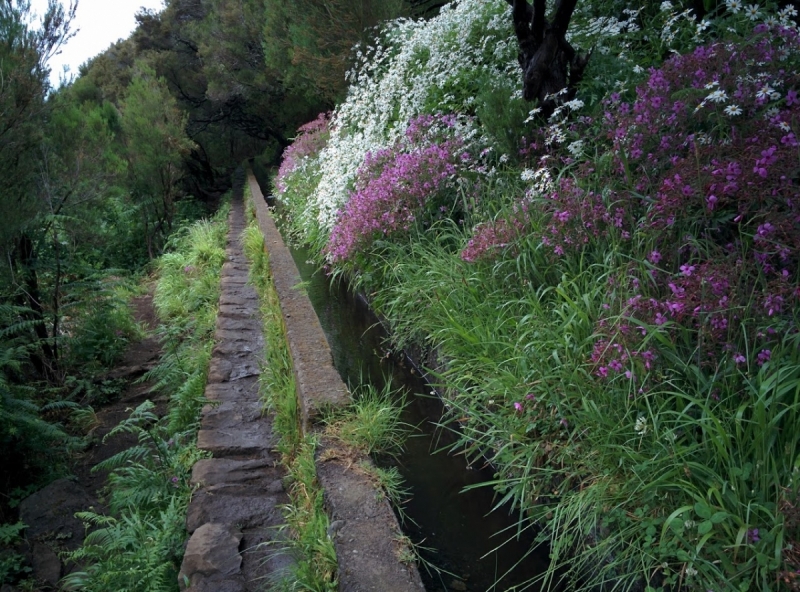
(23, 87)
(156, 140)
(309, 43)
(551, 67)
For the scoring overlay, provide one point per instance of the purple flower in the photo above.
(602, 372)
(791, 98)
(615, 365)
(752, 536)
(739, 358)
(518, 407)
(763, 357)
(654, 257)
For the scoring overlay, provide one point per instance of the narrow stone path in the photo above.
(233, 516)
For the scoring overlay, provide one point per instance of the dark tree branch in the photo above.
(551, 67)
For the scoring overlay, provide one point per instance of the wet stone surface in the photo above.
(234, 514)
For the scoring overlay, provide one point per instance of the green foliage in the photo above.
(140, 545)
(135, 552)
(371, 425)
(156, 141)
(310, 42)
(29, 442)
(23, 54)
(12, 564)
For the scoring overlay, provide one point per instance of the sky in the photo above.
(100, 23)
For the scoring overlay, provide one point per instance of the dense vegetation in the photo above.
(610, 291)
(99, 180)
(610, 285)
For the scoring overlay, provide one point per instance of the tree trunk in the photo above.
(23, 261)
(551, 67)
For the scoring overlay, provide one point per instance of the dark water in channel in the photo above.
(459, 528)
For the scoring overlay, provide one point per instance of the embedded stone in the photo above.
(211, 553)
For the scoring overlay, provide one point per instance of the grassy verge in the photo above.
(139, 544)
(370, 426)
(306, 520)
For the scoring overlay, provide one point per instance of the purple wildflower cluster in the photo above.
(402, 186)
(706, 178)
(724, 211)
(311, 138)
(577, 215)
(722, 153)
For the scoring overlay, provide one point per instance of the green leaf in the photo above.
(702, 510)
(705, 527)
(719, 517)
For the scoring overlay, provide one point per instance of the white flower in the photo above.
(690, 571)
(576, 147)
(703, 25)
(666, 6)
(752, 12)
(712, 84)
(640, 427)
(527, 175)
(718, 96)
(733, 5)
(771, 21)
(574, 104)
(532, 114)
(733, 110)
(785, 126)
(764, 92)
(637, 69)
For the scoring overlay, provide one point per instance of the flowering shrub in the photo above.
(710, 145)
(423, 67)
(311, 138)
(401, 186)
(488, 238)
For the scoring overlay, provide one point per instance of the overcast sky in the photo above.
(100, 23)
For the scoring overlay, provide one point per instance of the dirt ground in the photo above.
(49, 513)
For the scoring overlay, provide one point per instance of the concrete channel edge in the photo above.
(367, 536)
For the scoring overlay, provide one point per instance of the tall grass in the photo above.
(673, 478)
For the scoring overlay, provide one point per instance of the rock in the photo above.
(52, 511)
(211, 554)
(46, 564)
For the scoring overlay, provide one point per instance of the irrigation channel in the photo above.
(456, 530)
